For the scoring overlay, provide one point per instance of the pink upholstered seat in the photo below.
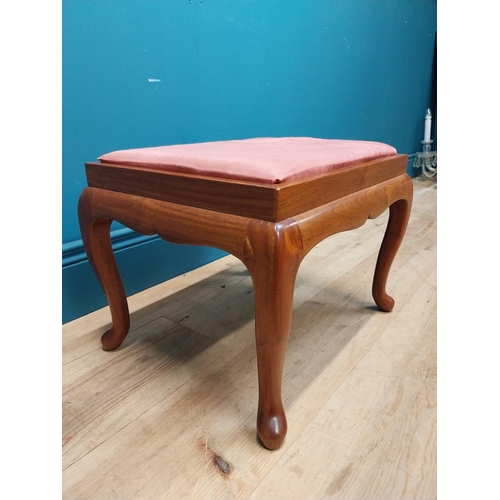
(263, 160)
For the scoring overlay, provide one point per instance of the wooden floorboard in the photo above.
(171, 414)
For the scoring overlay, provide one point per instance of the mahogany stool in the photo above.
(268, 202)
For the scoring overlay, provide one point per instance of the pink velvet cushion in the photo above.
(263, 160)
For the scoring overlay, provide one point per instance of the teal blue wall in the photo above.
(140, 73)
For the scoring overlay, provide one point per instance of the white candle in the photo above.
(428, 121)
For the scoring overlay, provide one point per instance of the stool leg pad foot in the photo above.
(272, 430)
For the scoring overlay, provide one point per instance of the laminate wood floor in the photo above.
(171, 414)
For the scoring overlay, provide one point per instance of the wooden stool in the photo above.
(267, 202)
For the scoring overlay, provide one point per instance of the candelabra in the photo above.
(427, 159)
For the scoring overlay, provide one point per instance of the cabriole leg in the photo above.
(396, 227)
(97, 242)
(273, 256)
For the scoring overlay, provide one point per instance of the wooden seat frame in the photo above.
(269, 227)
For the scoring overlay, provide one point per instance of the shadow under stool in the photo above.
(267, 201)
